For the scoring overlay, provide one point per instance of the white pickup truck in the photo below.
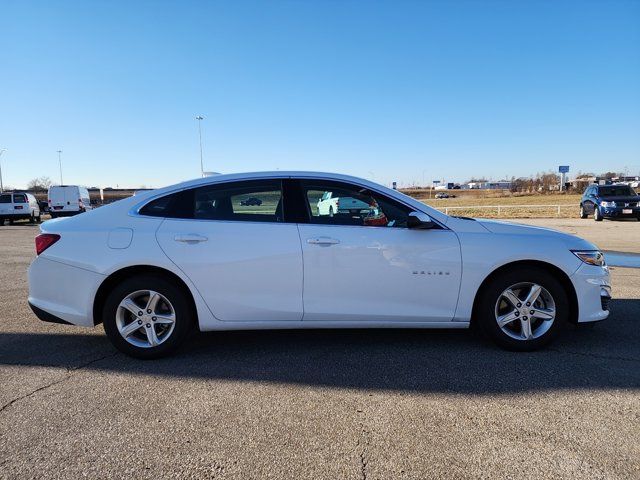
(330, 205)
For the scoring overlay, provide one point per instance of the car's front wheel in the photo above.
(597, 216)
(522, 309)
(147, 316)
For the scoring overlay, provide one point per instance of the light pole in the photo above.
(2, 150)
(60, 164)
(200, 118)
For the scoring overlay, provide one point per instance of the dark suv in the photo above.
(610, 201)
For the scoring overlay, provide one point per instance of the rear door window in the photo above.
(19, 198)
(249, 201)
(6, 198)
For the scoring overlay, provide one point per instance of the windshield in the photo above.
(617, 191)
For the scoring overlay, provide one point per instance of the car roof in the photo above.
(229, 177)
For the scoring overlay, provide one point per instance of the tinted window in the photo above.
(5, 198)
(616, 191)
(175, 205)
(253, 200)
(336, 203)
(19, 198)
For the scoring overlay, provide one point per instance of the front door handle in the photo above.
(190, 238)
(323, 241)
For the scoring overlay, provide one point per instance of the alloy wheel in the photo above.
(145, 318)
(525, 311)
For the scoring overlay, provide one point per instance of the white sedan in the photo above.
(194, 255)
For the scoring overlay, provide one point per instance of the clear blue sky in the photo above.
(385, 90)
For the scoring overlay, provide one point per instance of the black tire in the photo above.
(597, 216)
(331, 211)
(10, 222)
(583, 213)
(39, 218)
(32, 218)
(491, 292)
(184, 315)
(2, 222)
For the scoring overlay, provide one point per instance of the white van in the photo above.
(19, 206)
(67, 200)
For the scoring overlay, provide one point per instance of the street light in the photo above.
(200, 118)
(2, 150)
(60, 164)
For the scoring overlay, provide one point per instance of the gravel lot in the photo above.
(331, 404)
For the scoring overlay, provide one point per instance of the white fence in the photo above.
(501, 208)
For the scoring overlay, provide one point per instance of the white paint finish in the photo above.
(244, 270)
(588, 281)
(14, 208)
(68, 199)
(63, 290)
(254, 279)
(120, 238)
(379, 273)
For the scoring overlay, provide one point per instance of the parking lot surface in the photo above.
(320, 404)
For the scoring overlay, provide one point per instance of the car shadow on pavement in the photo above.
(604, 357)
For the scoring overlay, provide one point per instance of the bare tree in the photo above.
(39, 184)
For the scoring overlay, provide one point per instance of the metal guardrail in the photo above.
(500, 208)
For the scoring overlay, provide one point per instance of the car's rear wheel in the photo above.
(597, 216)
(147, 316)
(583, 213)
(523, 309)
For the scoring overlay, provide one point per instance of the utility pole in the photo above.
(200, 118)
(2, 150)
(60, 164)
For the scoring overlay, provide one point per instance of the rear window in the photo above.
(5, 198)
(616, 191)
(19, 198)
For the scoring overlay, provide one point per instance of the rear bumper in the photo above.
(15, 216)
(62, 292)
(46, 316)
(63, 213)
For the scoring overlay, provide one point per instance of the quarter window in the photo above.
(19, 198)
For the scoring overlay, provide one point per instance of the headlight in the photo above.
(608, 204)
(592, 257)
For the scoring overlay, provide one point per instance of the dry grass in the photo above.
(474, 198)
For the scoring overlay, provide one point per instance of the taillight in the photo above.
(45, 240)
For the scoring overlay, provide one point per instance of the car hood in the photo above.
(516, 229)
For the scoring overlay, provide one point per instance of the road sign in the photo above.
(563, 169)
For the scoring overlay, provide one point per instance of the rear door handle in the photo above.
(323, 241)
(190, 238)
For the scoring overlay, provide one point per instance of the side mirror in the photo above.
(419, 220)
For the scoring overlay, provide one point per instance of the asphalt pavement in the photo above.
(319, 404)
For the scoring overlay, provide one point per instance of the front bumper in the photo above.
(618, 212)
(593, 292)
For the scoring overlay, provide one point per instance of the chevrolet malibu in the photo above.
(155, 266)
